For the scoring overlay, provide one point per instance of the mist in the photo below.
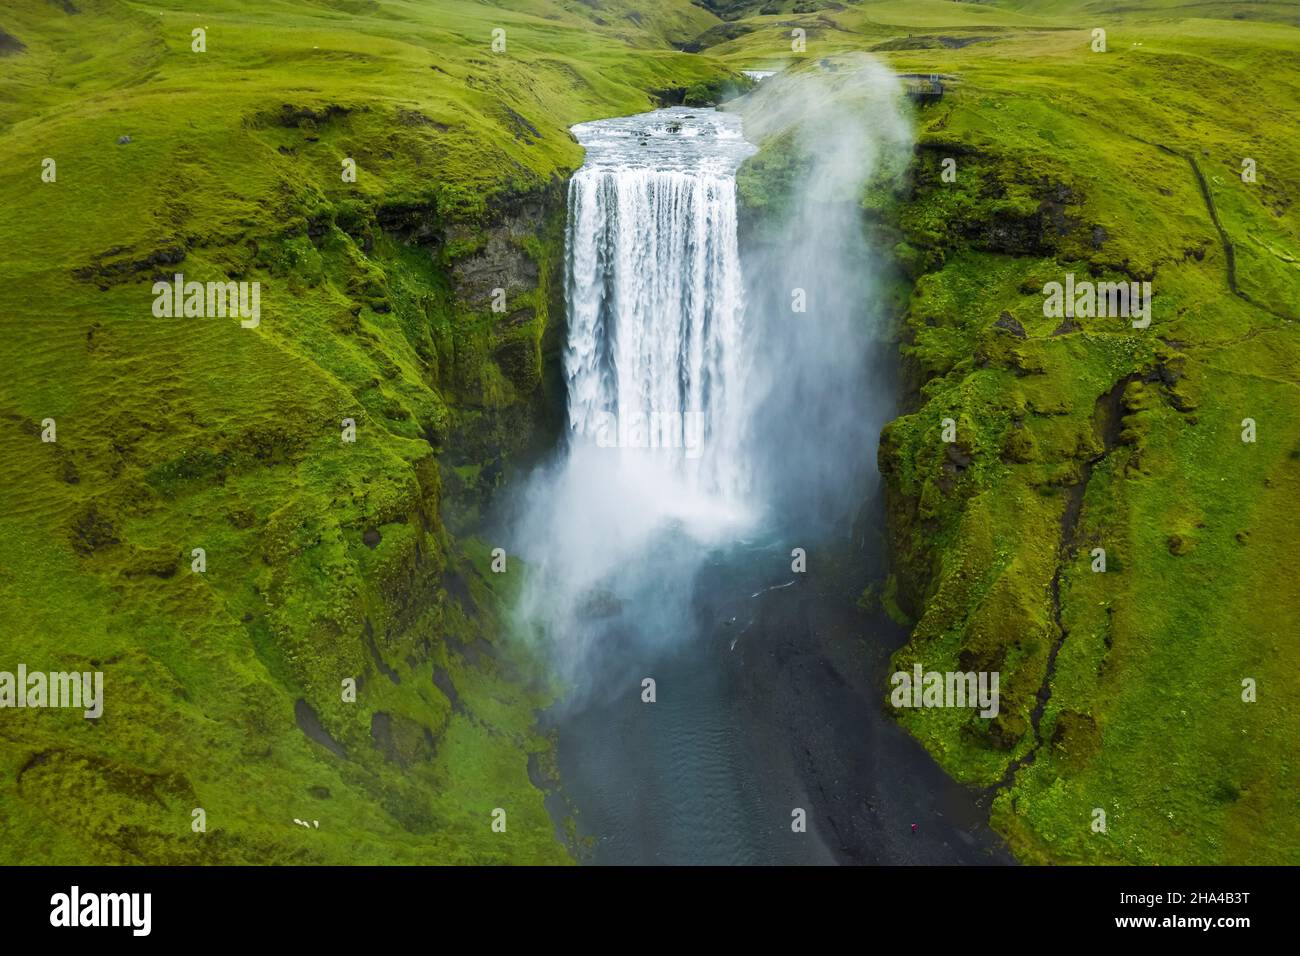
(821, 385)
(669, 317)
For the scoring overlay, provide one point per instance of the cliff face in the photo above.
(378, 183)
(339, 656)
(985, 477)
(474, 299)
(1057, 491)
(495, 336)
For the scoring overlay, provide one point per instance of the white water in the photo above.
(656, 470)
(656, 354)
(708, 430)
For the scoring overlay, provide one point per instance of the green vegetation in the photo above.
(325, 560)
(328, 560)
(1123, 690)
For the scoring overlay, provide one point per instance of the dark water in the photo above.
(770, 705)
(769, 684)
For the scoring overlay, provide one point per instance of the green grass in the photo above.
(1145, 717)
(176, 434)
(182, 433)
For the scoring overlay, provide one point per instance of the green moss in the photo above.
(717, 89)
(326, 559)
(1094, 435)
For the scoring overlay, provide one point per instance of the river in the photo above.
(726, 701)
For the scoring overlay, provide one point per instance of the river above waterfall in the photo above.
(725, 698)
(683, 139)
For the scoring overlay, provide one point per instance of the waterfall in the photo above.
(715, 432)
(656, 333)
(705, 413)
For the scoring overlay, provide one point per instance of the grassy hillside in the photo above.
(1120, 690)
(325, 560)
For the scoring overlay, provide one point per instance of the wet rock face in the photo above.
(309, 723)
(498, 256)
(505, 315)
(506, 265)
(1009, 323)
(414, 223)
(1010, 235)
(502, 259)
(502, 263)
(10, 44)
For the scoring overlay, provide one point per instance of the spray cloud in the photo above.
(666, 323)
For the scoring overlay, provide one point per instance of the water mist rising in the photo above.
(820, 389)
(699, 405)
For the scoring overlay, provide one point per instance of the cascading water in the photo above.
(655, 471)
(656, 349)
(653, 485)
(710, 691)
